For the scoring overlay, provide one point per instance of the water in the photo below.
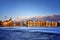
(26, 35)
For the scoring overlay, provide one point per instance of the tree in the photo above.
(1, 23)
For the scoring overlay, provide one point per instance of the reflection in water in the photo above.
(24, 35)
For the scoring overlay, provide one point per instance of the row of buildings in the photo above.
(30, 23)
(42, 23)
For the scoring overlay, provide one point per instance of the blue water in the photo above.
(26, 35)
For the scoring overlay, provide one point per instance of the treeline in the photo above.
(9, 23)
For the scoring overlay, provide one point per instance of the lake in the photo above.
(27, 35)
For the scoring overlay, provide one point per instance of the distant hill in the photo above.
(47, 18)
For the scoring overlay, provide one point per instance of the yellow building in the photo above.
(48, 24)
(30, 23)
(38, 23)
(43, 23)
(34, 23)
(51, 24)
(54, 24)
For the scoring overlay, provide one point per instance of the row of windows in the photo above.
(43, 24)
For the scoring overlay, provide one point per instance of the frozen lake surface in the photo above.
(24, 33)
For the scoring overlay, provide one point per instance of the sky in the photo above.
(24, 8)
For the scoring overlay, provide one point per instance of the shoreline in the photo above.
(32, 29)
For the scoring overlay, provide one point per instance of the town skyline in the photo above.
(29, 23)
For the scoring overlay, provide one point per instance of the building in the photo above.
(51, 24)
(42, 23)
(54, 24)
(48, 24)
(30, 23)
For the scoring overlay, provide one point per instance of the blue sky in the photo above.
(24, 8)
